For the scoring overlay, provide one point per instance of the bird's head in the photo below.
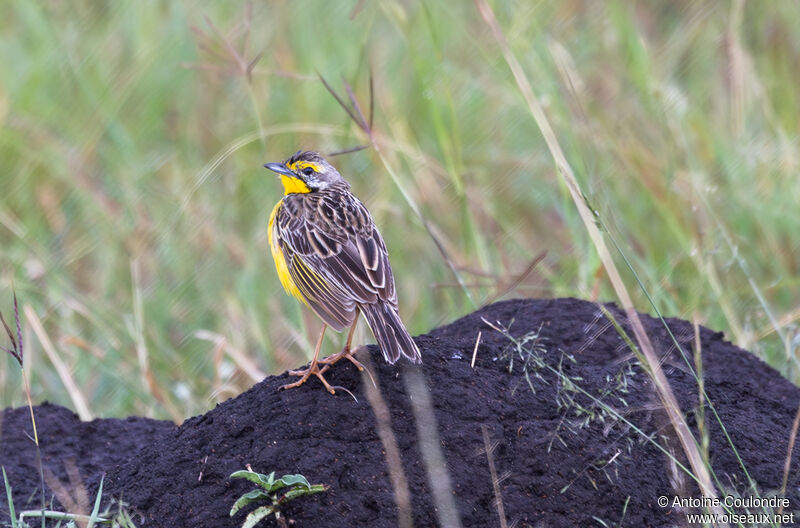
(305, 172)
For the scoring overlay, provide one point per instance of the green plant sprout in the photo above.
(276, 491)
(122, 519)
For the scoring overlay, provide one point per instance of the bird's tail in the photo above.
(389, 331)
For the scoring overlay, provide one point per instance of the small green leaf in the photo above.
(249, 475)
(257, 516)
(265, 481)
(10, 500)
(299, 492)
(248, 498)
(96, 510)
(292, 480)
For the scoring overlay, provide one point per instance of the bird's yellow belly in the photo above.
(280, 260)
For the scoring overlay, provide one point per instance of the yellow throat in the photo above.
(293, 185)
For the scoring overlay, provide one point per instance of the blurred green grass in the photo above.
(133, 205)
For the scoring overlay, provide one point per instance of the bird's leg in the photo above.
(313, 368)
(333, 358)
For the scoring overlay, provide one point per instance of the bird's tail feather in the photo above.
(390, 333)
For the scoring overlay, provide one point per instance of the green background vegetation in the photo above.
(133, 205)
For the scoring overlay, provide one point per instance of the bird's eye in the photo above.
(308, 171)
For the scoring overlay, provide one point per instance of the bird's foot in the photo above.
(345, 353)
(306, 373)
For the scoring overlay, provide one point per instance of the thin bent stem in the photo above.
(259, 121)
(30, 406)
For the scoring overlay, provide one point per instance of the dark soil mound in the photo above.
(566, 462)
(92, 447)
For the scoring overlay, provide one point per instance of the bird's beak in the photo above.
(280, 168)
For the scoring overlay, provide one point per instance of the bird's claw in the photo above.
(306, 373)
(345, 353)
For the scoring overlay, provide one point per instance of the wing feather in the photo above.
(327, 300)
(336, 267)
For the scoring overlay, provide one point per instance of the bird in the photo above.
(330, 255)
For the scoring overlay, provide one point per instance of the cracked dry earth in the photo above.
(563, 461)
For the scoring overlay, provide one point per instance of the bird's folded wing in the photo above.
(325, 298)
(337, 270)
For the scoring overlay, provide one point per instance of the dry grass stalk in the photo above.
(383, 423)
(431, 448)
(78, 400)
(588, 217)
(498, 497)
